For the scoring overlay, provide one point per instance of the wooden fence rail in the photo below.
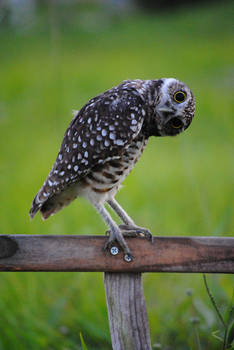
(123, 283)
(85, 253)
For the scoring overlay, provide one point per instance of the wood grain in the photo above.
(85, 253)
(126, 311)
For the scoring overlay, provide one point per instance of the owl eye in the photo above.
(179, 96)
(176, 123)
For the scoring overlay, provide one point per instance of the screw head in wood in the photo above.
(127, 258)
(114, 250)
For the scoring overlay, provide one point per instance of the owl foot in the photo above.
(136, 231)
(117, 236)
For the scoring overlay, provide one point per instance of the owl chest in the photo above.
(104, 180)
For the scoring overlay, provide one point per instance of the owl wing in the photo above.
(99, 132)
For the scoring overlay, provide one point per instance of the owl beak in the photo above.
(165, 109)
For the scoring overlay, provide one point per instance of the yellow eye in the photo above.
(176, 123)
(179, 96)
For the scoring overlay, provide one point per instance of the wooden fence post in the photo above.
(127, 312)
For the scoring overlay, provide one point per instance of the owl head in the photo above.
(174, 109)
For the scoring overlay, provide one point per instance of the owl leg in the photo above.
(115, 231)
(120, 212)
(129, 228)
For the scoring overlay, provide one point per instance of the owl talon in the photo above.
(135, 231)
(116, 236)
(108, 232)
(107, 245)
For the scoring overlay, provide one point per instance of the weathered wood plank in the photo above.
(85, 253)
(126, 311)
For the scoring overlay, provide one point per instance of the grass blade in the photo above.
(84, 347)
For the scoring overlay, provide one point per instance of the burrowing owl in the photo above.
(104, 141)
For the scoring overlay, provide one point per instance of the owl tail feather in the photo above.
(46, 208)
(36, 205)
(51, 205)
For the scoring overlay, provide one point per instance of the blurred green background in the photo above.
(54, 56)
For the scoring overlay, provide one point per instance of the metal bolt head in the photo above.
(127, 258)
(114, 250)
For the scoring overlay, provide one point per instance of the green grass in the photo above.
(181, 186)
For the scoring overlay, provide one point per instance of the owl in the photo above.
(104, 141)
